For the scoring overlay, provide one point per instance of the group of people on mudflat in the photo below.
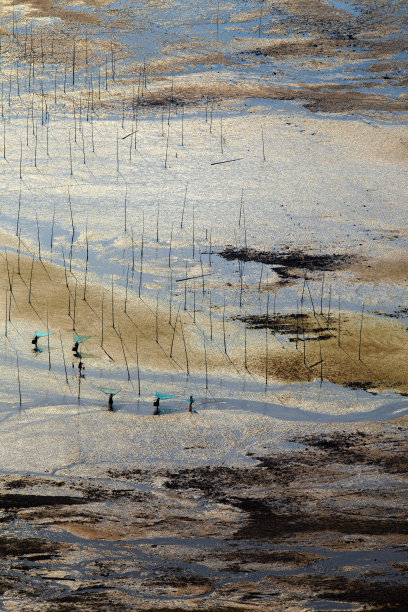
(81, 368)
(156, 405)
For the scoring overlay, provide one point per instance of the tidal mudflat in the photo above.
(211, 198)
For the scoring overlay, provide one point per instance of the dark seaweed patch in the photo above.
(286, 263)
(267, 557)
(364, 385)
(14, 547)
(17, 500)
(292, 323)
(265, 523)
(22, 483)
(87, 600)
(178, 578)
(340, 588)
(361, 448)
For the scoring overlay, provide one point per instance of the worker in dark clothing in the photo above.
(110, 401)
(190, 405)
(75, 348)
(81, 368)
(34, 342)
(156, 404)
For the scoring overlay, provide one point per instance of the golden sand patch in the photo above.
(384, 270)
(370, 354)
(91, 532)
(377, 362)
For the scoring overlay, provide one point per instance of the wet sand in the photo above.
(292, 531)
(359, 351)
(224, 509)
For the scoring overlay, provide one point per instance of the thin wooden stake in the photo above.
(174, 332)
(48, 344)
(31, 279)
(87, 259)
(125, 208)
(157, 318)
(113, 308)
(124, 355)
(361, 332)
(52, 231)
(138, 368)
(245, 346)
(5, 325)
(141, 256)
(223, 328)
(184, 206)
(338, 336)
(19, 384)
(38, 236)
(63, 357)
(210, 314)
(126, 290)
(206, 364)
(266, 340)
(185, 346)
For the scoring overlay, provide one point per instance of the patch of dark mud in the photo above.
(269, 557)
(290, 264)
(403, 567)
(391, 455)
(164, 101)
(15, 547)
(180, 579)
(213, 481)
(6, 583)
(49, 514)
(401, 313)
(266, 523)
(383, 595)
(364, 385)
(16, 500)
(101, 601)
(136, 474)
(23, 483)
(94, 493)
(285, 324)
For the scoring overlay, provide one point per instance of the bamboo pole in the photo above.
(184, 206)
(102, 319)
(361, 332)
(157, 318)
(223, 328)
(112, 306)
(174, 333)
(63, 358)
(52, 231)
(31, 279)
(185, 346)
(141, 256)
(5, 320)
(19, 383)
(48, 344)
(138, 368)
(126, 290)
(338, 336)
(87, 259)
(206, 364)
(266, 339)
(124, 355)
